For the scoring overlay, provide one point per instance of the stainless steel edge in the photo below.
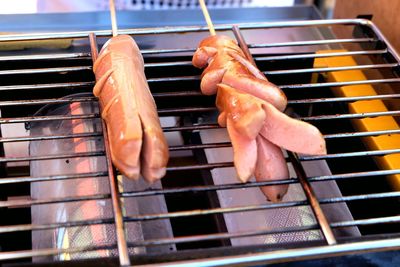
(288, 254)
(183, 29)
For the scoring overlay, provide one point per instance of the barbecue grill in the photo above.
(341, 203)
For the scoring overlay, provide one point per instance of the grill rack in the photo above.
(362, 245)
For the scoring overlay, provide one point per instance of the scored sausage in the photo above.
(251, 108)
(220, 53)
(137, 143)
(271, 165)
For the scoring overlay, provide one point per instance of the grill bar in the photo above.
(196, 189)
(353, 154)
(51, 157)
(34, 227)
(192, 127)
(202, 146)
(322, 55)
(115, 200)
(46, 101)
(352, 115)
(362, 134)
(342, 99)
(353, 175)
(220, 236)
(48, 252)
(26, 179)
(48, 137)
(173, 79)
(200, 166)
(189, 213)
(46, 57)
(30, 202)
(176, 111)
(45, 86)
(315, 42)
(337, 84)
(329, 69)
(287, 86)
(295, 56)
(49, 118)
(45, 70)
(327, 136)
(166, 51)
(381, 220)
(361, 197)
(168, 64)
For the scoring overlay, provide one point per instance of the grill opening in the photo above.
(55, 160)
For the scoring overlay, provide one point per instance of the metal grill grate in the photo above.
(174, 84)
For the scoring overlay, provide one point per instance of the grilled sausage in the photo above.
(291, 134)
(227, 64)
(271, 165)
(137, 142)
(245, 111)
(244, 152)
(251, 109)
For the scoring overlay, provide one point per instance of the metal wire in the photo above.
(47, 157)
(45, 86)
(315, 42)
(27, 179)
(322, 55)
(45, 70)
(329, 69)
(46, 101)
(47, 137)
(46, 57)
(49, 118)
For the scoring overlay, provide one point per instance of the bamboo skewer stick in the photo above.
(114, 27)
(207, 17)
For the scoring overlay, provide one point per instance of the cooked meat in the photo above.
(137, 142)
(244, 152)
(291, 134)
(259, 88)
(271, 165)
(244, 110)
(251, 108)
(220, 52)
(244, 119)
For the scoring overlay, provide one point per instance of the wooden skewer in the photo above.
(207, 17)
(114, 27)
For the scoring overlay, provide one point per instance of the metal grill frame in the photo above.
(330, 248)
